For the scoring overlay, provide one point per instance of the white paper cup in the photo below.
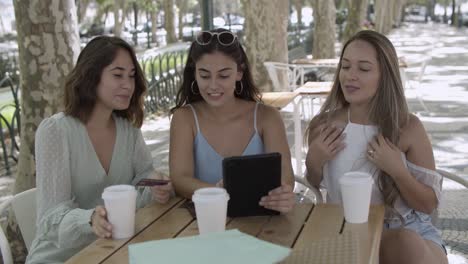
(356, 188)
(120, 203)
(211, 209)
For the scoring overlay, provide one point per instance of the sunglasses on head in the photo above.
(224, 38)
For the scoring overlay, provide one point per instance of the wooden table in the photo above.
(315, 89)
(278, 99)
(318, 62)
(306, 228)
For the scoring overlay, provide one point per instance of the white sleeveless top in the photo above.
(354, 158)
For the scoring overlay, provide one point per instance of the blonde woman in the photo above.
(365, 125)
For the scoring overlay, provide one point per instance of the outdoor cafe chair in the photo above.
(283, 74)
(24, 209)
(288, 77)
(412, 84)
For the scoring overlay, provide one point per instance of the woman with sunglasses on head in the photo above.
(96, 142)
(365, 125)
(218, 114)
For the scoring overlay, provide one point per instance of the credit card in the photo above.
(152, 182)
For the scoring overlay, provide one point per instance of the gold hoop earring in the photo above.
(241, 88)
(193, 90)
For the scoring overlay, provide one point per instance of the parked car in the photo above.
(89, 30)
(464, 19)
(415, 13)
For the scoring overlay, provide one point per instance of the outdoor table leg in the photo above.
(298, 136)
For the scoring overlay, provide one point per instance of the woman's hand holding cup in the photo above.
(101, 227)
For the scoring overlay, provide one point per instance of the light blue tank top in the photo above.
(208, 163)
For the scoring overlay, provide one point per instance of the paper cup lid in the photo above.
(356, 177)
(210, 194)
(115, 191)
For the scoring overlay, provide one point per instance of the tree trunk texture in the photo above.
(154, 26)
(265, 28)
(2, 27)
(363, 12)
(454, 15)
(182, 5)
(383, 16)
(169, 21)
(298, 4)
(48, 44)
(82, 7)
(325, 29)
(397, 11)
(445, 18)
(354, 20)
(119, 16)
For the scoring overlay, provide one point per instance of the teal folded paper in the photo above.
(224, 247)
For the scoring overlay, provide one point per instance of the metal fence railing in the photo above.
(164, 74)
(9, 66)
(163, 70)
(10, 123)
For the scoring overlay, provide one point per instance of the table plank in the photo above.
(192, 229)
(369, 234)
(278, 99)
(284, 229)
(315, 88)
(168, 226)
(251, 225)
(100, 249)
(325, 220)
(318, 62)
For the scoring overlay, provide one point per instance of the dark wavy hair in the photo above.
(235, 51)
(81, 84)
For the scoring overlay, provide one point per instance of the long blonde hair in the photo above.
(388, 109)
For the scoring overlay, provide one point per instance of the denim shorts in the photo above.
(420, 223)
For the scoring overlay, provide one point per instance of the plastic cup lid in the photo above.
(210, 194)
(116, 191)
(356, 177)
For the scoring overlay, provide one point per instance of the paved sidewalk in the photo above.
(444, 92)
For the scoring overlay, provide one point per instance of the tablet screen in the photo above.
(247, 179)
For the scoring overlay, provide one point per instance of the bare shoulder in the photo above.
(415, 143)
(268, 116)
(182, 112)
(183, 117)
(266, 111)
(413, 130)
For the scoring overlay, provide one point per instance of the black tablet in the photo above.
(247, 179)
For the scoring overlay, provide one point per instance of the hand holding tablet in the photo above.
(249, 178)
